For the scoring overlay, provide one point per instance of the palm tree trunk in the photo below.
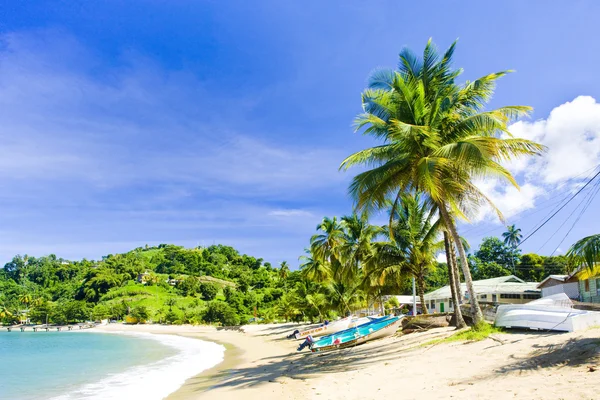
(456, 271)
(421, 290)
(449, 222)
(458, 318)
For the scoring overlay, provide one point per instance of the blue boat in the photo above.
(375, 329)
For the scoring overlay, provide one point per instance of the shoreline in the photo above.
(242, 350)
(260, 365)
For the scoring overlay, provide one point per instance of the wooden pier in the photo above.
(46, 328)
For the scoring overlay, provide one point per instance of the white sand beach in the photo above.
(261, 364)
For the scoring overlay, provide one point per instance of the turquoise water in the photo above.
(43, 365)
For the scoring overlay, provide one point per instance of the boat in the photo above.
(551, 313)
(371, 330)
(324, 329)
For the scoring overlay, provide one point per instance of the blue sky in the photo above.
(126, 123)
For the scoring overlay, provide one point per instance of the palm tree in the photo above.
(412, 243)
(436, 141)
(585, 251)
(454, 280)
(4, 312)
(314, 269)
(355, 246)
(326, 245)
(284, 270)
(512, 236)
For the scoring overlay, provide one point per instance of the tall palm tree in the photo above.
(436, 141)
(412, 242)
(355, 247)
(512, 236)
(284, 270)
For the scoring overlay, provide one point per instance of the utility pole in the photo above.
(415, 297)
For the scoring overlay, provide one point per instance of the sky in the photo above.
(204, 122)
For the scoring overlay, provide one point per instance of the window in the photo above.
(483, 297)
(432, 303)
(510, 296)
(531, 296)
(450, 303)
(586, 285)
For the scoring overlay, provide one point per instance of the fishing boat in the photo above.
(330, 328)
(552, 313)
(375, 329)
(324, 329)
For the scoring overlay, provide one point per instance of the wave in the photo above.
(156, 380)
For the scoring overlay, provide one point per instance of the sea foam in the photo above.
(156, 380)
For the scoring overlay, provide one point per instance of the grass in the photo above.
(476, 333)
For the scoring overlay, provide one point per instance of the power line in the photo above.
(583, 200)
(553, 200)
(583, 210)
(557, 211)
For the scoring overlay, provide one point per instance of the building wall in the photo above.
(445, 305)
(571, 289)
(592, 295)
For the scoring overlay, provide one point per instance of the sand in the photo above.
(261, 364)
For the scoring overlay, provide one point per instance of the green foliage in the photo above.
(208, 291)
(120, 285)
(140, 313)
(221, 312)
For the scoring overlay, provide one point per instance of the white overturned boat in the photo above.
(332, 327)
(553, 313)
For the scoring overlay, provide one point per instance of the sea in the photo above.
(89, 365)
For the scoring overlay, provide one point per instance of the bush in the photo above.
(221, 312)
(208, 291)
(140, 313)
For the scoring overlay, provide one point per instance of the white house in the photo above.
(554, 284)
(503, 290)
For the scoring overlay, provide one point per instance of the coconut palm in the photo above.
(585, 251)
(313, 268)
(4, 312)
(284, 270)
(437, 141)
(412, 243)
(326, 244)
(355, 246)
(512, 236)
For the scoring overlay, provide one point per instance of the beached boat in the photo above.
(330, 328)
(552, 313)
(375, 329)
(324, 329)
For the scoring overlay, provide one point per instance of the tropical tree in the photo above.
(437, 141)
(284, 271)
(512, 236)
(313, 269)
(585, 251)
(411, 244)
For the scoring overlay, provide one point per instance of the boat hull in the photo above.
(387, 330)
(552, 313)
(323, 330)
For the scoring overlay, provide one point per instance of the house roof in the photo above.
(560, 278)
(407, 299)
(503, 284)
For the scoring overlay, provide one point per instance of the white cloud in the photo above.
(291, 213)
(572, 136)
